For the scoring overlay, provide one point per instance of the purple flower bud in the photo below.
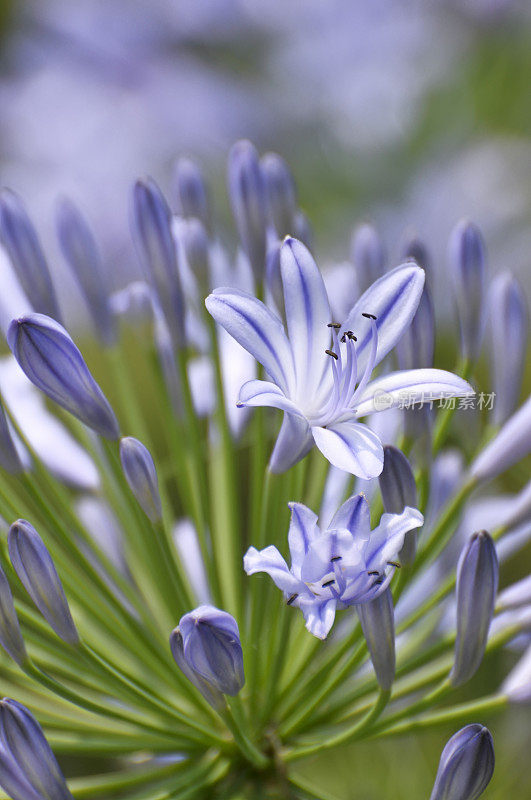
(20, 240)
(281, 196)
(22, 737)
(398, 488)
(273, 279)
(378, 624)
(466, 254)
(509, 324)
(466, 765)
(476, 587)
(249, 203)
(415, 249)
(212, 649)
(152, 230)
(10, 635)
(51, 360)
(13, 780)
(302, 229)
(36, 570)
(512, 444)
(189, 191)
(80, 250)
(209, 692)
(368, 255)
(195, 243)
(141, 475)
(415, 348)
(9, 458)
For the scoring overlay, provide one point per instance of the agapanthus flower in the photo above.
(320, 371)
(344, 565)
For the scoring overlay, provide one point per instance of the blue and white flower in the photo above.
(345, 565)
(320, 370)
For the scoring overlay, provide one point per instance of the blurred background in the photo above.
(411, 114)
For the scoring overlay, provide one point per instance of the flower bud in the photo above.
(36, 570)
(23, 738)
(415, 249)
(141, 475)
(273, 279)
(416, 347)
(302, 229)
(189, 191)
(212, 649)
(152, 230)
(193, 238)
(509, 325)
(510, 445)
(80, 251)
(249, 203)
(398, 488)
(10, 635)
(367, 254)
(209, 692)
(466, 765)
(378, 625)
(280, 190)
(13, 780)
(466, 254)
(9, 458)
(20, 240)
(476, 587)
(52, 362)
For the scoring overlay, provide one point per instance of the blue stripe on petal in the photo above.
(307, 314)
(393, 299)
(257, 329)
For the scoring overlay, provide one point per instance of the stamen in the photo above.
(291, 599)
(328, 583)
(331, 353)
(373, 572)
(394, 564)
(368, 316)
(371, 359)
(350, 335)
(336, 325)
(336, 558)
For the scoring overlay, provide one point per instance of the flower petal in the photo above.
(257, 329)
(393, 300)
(387, 539)
(355, 516)
(269, 560)
(294, 441)
(265, 393)
(352, 447)
(319, 617)
(411, 386)
(307, 315)
(302, 531)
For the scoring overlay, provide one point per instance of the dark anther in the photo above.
(344, 338)
(331, 353)
(328, 583)
(394, 564)
(377, 582)
(336, 558)
(292, 599)
(335, 325)
(369, 316)
(350, 335)
(373, 572)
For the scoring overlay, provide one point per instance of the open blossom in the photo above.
(345, 565)
(320, 370)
